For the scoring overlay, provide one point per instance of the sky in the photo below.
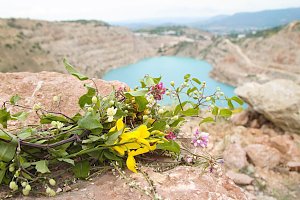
(133, 10)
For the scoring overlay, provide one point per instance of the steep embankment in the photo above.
(259, 57)
(31, 45)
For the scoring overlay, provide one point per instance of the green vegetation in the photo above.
(109, 132)
(84, 22)
(165, 30)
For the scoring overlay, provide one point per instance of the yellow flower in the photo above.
(119, 125)
(131, 164)
(136, 142)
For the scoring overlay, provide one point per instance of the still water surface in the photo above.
(171, 68)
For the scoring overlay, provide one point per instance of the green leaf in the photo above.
(21, 116)
(159, 125)
(178, 107)
(215, 110)
(207, 120)
(7, 151)
(238, 100)
(111, 156)
(191, 112)
(67, 160)
(91, 139)
(4, 136)
(4, 117)
(190, 90)
(42, 166)
(142, 103)
(90, 122)
(137, 93)
(225, 112)
(25, 134)
(196, 81)
(73, 71)
(87, 98)
(82, 169)
(176, 122)
(169, 146)
(14, 99)
(113, 137)
(149, 81)
(187, 76)
(230, 105)
(157, 80)
(48, 118)
(2, 174)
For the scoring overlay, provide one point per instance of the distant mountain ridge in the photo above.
(252, 20)
(239, 22)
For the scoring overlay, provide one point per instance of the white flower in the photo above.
(110, 113)
(110, 118)
(161, 111)
(37, 106)
(57, 124)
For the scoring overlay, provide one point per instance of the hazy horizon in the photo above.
(134, 10)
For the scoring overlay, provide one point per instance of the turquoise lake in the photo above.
(171, 68)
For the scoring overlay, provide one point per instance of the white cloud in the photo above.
(119, 10)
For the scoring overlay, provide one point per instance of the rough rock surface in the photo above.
(42, 87)
(277, 100)
(263, 156)
(179, 183)
(93, 46)
(235, 156)
(182, 183)
(240, 179)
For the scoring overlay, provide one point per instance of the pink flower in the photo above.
(189, 159)
(200, 139)
(158, 91)
(171, 136)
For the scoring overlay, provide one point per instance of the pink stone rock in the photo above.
(42, 87)
(287, 146)
(182, 183)
(240, 118)
(235, 156)
(240, 179)
(263, 155)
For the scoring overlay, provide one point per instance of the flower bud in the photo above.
(145, 117)
(24, 184)
(104, 99)
(52, 182)
(167, 126)
(11, 168)
(172, 83)
(25, 192)
(94, 100)
(208, 98)
(28, 187)
(13, 186)
(111, 102)
(36, 106)
(161, 111)
(90, 109)
(54, 123)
